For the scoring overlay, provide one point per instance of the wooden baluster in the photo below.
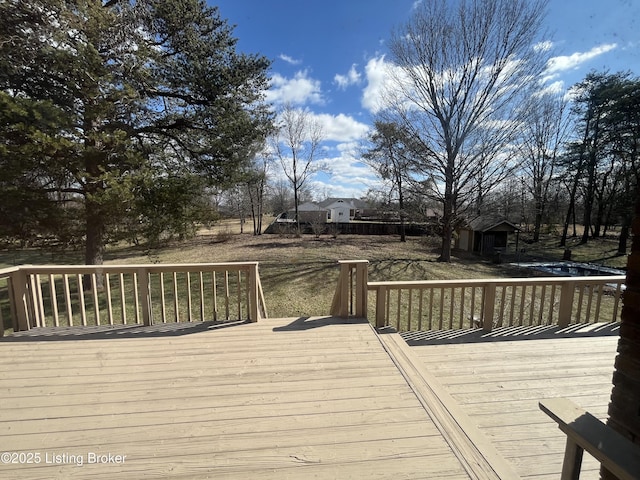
(94, 295)
(176, 298)
(107, 280)
(201, 280)
(83, 309)
(123, 298)
(136, 298)
(54, 301)
(163, 300)
(189, 304)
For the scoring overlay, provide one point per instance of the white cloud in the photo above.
(377, 77)
(351, 78)
(299, 90)
(568, 62)
(543, 46)
(341, 127)
(554, 88)
(344, 175)
(289, 59)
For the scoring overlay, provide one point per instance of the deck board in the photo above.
(273, 400)
(499, 383)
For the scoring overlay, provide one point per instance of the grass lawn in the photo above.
(299, 275)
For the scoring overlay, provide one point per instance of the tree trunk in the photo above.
(94, 245)
(445, 253)
(447, 211)
(537, 225)
(295, 201)
(403, 237)
(94, 248)
(570, 210)
(624, 408)
(624, 235)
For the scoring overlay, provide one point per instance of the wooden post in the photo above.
(145, 296)
(362, 291)
(381, 308)
(12, 304)
(21, 298)
(345, 269)
(566, 304)
(572, 461)
(254, 299)
(489, 302)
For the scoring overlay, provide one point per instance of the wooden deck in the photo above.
(277, 399)
(499, 378)
(316, 398)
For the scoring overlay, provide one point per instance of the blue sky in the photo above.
(329, 57)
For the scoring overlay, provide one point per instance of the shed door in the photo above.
(488, 243)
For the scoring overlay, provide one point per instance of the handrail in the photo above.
(68, 295)
(486, 303)
(616, 453)
(500, 281)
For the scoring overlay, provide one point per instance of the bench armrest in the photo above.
(616, 453)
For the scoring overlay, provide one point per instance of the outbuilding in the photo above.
(486, 235)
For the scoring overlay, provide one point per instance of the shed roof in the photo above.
(485, 223)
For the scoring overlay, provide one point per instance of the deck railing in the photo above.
(71, 295)
(460, 304)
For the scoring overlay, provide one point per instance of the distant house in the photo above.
(332, 210)
(340, 211)
(343, 210)
(485, 234)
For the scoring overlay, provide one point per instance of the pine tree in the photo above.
(119, 103)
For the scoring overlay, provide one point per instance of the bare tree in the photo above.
(545, 132)
(461, 70)
(256, 182)
(296, 144)
(279, 196)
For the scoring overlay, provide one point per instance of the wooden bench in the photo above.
(585, 432)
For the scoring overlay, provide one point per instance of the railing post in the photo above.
(21, 298)
(254, 299)
(566, 304)
(345, 291)
(362, 292)
(145, 296)
(344, 286)
(489, 293)
(381, 306)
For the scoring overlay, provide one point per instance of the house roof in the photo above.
(309, 207)
(353, 202)
(485, 223)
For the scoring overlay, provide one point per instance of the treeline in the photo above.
(574, 163)
(591, 177)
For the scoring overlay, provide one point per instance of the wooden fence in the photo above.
(490, 303)
(70, 295)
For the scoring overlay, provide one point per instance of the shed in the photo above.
(485, 235)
